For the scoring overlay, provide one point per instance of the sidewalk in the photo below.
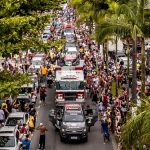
(114, 143)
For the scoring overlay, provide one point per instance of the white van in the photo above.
(36, 63)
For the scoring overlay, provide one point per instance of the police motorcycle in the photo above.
(55, 116)
(91, 117)
(50, 79)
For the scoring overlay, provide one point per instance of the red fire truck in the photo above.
(70, 85)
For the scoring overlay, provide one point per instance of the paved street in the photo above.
(95, 141)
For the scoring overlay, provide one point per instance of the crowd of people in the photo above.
(100, 77)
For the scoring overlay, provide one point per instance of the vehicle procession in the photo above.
(62, 70)
(69, 96)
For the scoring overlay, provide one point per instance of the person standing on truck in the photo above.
(42, 130)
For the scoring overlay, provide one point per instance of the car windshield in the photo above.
(70, 45)
(38, 62)
(45, 36)
(71, 52)
(7, 141)
(69, 30)
(73, 117)
(72, 85)
(13, 121)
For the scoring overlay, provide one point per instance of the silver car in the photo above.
(8, 140)
(16, 118)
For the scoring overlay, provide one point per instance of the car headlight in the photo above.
(63, 130)
(84, 130)
(64, 124)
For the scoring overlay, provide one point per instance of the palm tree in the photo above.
(127, 23)
(136, 132)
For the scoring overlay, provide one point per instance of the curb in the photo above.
(114, 143)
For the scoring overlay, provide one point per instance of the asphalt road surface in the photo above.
(95, 138)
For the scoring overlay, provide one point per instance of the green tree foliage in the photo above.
(11, 83)
(21, 24)
(136, 132)
(22, 20)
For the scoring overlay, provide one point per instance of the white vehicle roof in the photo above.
(47, 31)
(22, 96)
(37, 58)
(71, 49)
(7, 130)
(16, 115)
(69, 75)
(39, 55)
(29, 85)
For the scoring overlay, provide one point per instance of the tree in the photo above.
(20, 21)
(11, 83)
(136, 132)
(127, 23)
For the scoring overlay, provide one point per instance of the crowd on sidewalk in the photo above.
(99, 74)
(100, 77)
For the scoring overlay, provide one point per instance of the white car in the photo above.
(47, 31)
(36, 62)
(17, 117)
(8, 140)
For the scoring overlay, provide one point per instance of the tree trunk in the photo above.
(134, 70)
(128, 71)
(106, 55)
(143, 68)
(116, 42)
(104, 52)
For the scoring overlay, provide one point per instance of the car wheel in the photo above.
(86, 139)
(56, 129)
(62, 139)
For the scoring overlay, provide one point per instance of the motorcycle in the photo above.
(89, 119)
(49, 81)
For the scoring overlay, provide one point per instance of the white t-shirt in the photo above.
(33, 98)
(2, 115)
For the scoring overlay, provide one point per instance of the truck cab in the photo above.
(71, 122)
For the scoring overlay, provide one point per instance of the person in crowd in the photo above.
(6, 113)
(42, 93)
(105, 130)
(23, 129)
(42, 130)
(26, 143)
(33, 97)
(44, 71)
(2, 116)
(31, 123)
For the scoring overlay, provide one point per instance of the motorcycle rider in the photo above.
(89, 114)
(49, 77)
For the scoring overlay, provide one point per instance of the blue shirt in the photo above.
(27, 143)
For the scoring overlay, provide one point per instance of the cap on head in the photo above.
(41, 124)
